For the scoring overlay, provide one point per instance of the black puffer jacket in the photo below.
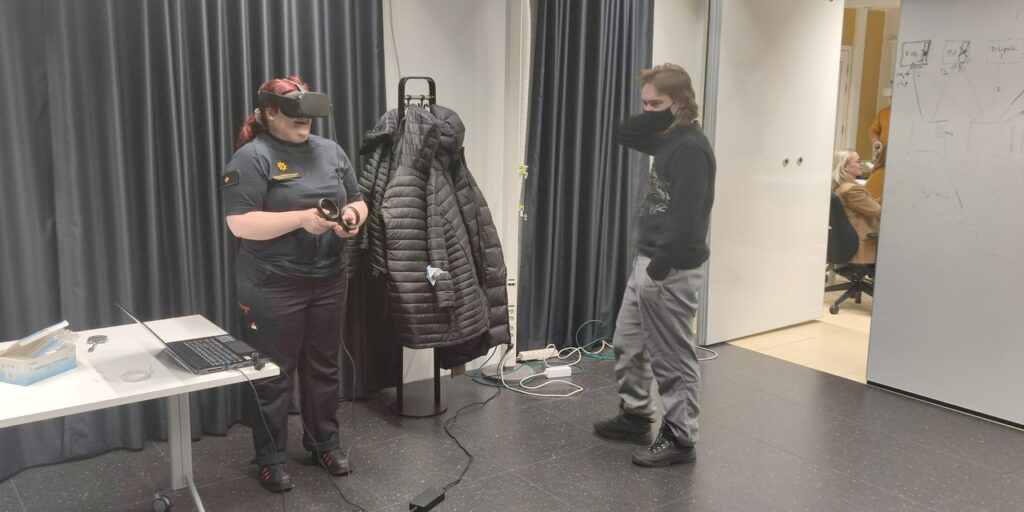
(377, 148)
(426, 211)
(486, 248)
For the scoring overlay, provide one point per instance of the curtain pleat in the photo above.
(119, 116)
(582, 189)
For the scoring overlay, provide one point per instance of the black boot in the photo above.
(664, 451)
(274, 478)
(625, 427)
(334, 461)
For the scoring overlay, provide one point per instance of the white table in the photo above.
(102, 379)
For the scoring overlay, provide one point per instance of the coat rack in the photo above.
(422, 406)
(404, 100)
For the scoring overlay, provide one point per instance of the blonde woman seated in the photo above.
(863, 210)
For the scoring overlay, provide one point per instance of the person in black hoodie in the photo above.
(654, 337)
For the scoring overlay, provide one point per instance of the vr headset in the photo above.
(298, 103)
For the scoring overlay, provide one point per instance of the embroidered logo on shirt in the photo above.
(230, 178)
(281, 166)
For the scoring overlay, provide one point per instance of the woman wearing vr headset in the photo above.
(291, 286)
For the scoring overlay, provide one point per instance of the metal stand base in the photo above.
(420, 399)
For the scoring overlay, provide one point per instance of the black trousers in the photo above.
(297, 322)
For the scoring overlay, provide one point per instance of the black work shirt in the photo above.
(271, 175)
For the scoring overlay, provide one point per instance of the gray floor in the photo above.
(775, 436)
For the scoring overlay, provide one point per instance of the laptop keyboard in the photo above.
(212, 351)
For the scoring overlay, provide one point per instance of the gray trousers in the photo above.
(654, 340)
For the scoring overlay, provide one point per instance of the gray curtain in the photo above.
(582, 190)
(118, 117)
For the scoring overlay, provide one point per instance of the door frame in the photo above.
(843, 101)
(711, 68)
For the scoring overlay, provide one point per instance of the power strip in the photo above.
(537, 355)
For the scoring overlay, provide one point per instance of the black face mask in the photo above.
(652, 122)
(645, 131)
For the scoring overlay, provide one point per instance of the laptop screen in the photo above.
(140, 322)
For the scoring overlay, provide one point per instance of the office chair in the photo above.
(843, 242)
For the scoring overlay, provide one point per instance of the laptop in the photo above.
(206, 355)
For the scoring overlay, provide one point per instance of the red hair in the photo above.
(254, 125)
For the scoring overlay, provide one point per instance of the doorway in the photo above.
(837, 343)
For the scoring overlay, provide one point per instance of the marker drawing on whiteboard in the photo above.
(917, 96)
(955, 57)
(915, 54)
(957, 52)
(929, 193)
(1004, 51)
(1010, 106)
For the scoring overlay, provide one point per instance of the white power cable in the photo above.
(523, 383)
(714, 355)
(568, 352)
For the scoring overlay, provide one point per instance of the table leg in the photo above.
(179, 440)
(195, 496)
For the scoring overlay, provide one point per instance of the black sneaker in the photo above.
(334, 460)
(664, 451)
(625, 427)
(274, 478)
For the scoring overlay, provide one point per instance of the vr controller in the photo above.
(327, 209)
(299, 103)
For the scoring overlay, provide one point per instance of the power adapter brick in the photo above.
(426, 500)
(557, 372)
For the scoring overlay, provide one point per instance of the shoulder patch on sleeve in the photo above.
(229, 179)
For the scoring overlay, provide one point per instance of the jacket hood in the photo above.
(383, 131)
(449, 124)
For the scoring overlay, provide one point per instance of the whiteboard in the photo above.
(950, 280)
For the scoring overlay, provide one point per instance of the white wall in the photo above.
(463, 45)
(680, 37)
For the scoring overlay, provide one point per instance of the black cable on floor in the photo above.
(348, 450)
(308, 432)
(273, 445)
(451, 421)
(324, 465)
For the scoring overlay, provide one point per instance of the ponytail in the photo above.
(252, 127)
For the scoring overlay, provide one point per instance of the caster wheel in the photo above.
(833, 309)
(160, 504)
